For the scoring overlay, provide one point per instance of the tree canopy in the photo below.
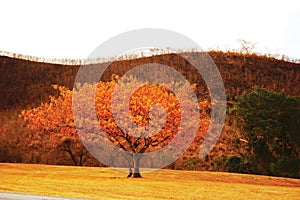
(270, 123)
(57, 117)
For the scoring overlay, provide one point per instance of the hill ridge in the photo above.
(25, 82)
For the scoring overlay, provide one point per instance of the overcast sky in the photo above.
(73, 29)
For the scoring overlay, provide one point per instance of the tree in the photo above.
(56, 117)
(269, 121)
(246, 46)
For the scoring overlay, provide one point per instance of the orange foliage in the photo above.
(56, 116)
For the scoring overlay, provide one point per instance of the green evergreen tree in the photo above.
(270, 122)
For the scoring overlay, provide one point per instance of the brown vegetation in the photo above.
(25, 84)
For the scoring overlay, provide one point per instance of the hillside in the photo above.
(25, 84)
(105, 183)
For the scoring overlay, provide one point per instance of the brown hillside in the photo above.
(24, 83)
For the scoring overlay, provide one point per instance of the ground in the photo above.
(106, 183)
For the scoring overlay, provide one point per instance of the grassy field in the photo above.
(106, 183)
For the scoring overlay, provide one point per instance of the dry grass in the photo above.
(105, 183)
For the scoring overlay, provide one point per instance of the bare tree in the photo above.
(247, 47)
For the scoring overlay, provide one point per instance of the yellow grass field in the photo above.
(106, 183)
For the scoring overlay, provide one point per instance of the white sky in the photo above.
(73, 29)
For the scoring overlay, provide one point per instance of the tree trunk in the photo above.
(130, 165)
(72, 157)
(136, 166)
(130, 173)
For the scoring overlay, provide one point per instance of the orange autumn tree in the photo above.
(57, 118)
